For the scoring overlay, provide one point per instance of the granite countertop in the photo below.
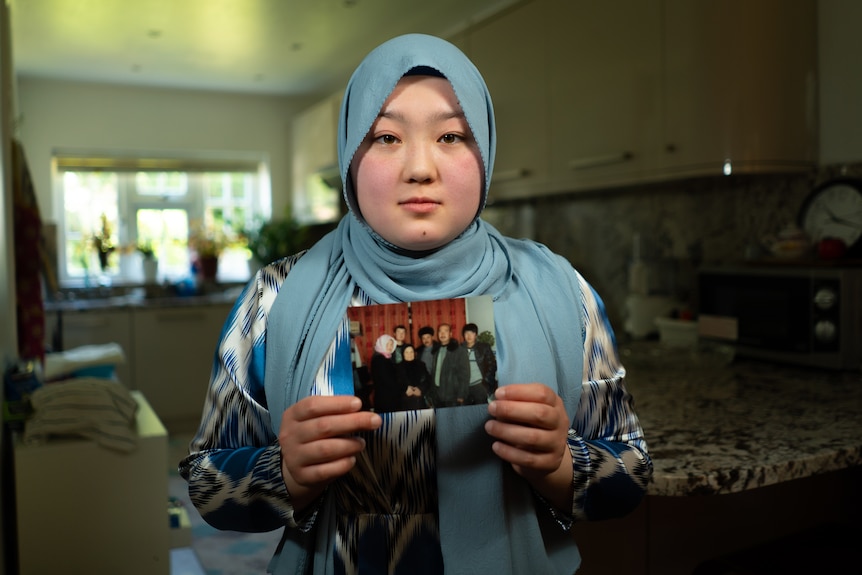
(141, 299)
(716, 425)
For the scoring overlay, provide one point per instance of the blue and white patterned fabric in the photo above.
(234, 465)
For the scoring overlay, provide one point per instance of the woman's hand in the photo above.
(318, 444)
(531, 426)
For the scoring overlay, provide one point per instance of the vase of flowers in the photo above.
(103, 242)
(207, 241)
(149, 262)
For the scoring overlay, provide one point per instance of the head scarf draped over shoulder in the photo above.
(375, 78)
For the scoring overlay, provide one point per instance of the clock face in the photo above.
(834, 211)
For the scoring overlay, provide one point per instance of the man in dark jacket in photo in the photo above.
(450, 371)
(483, 366)
(425, 352)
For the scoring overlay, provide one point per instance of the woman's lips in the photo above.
(420, 205)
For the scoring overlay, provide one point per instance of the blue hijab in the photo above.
(490, 520)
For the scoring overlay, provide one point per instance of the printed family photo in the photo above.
(423, 355)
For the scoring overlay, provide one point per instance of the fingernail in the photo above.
(492, 408)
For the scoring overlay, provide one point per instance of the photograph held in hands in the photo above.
(423, 355)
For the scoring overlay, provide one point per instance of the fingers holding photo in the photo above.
(318, 444)
(530, 425)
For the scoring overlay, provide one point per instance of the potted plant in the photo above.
(207, 242)
(103, 242)
(276, 238)
(487, 337)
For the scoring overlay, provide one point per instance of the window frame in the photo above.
(129, 201)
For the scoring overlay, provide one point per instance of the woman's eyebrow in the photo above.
(440, 116)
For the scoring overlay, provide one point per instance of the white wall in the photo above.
(99, 117)
(840, 63)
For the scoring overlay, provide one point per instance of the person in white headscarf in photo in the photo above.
(490, 488)
(387, 394)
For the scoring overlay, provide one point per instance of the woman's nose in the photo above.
(419, 163)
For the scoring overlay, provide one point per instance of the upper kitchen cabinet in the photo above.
(605, 91)
(840, 74)
(316, 178)
(740, 86)
(591, 95)
(510, 51)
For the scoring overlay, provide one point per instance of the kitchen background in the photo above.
(681, 221)
(682, 225)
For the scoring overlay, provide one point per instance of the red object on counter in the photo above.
(831, 248)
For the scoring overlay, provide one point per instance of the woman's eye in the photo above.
(386, 139)
(450, 138)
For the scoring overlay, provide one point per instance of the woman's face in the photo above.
(409, 353)
(390, 345)
(418, 174)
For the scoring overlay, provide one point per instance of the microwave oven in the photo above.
(805, 315)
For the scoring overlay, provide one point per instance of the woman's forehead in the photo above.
(427, 86)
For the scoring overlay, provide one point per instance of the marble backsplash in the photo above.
(682, 225)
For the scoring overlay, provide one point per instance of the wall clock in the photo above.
(834, 210)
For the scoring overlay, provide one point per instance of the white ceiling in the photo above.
(262, 46)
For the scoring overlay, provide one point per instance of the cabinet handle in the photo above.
(508, 175)
(598, 161)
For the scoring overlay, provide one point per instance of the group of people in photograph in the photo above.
(440, 372)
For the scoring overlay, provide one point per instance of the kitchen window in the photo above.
(112, 207)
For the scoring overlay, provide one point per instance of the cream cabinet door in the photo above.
(740, 85)
(174, 351)
(605, 91)
(840, 81)
(315, 162)
(510, 51)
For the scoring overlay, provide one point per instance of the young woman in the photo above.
(489, 488)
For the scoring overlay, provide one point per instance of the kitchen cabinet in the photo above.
(605, 91)
(840, 81)
(593, 95)
(316, 178)
(174, 350)
(739, 85)
(96, 326)
(510, 52)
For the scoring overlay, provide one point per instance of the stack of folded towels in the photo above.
(82, 397)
